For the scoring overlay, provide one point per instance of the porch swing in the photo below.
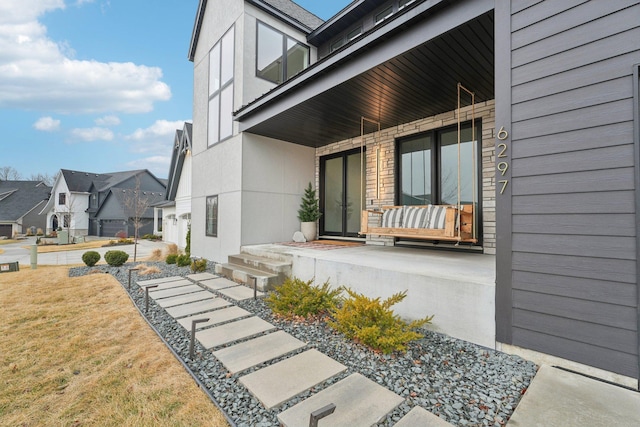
(455, 223)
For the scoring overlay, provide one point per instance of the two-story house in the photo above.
(526, 110)
(86, 203)
(173, 214)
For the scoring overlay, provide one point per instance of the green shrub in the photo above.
(151, 237)
(183, 260)
(198, 265)
(373, 323)
(90, 258)
(171, 258)
(116, 258)
(295, 297)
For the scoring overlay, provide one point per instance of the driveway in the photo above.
(16, 252)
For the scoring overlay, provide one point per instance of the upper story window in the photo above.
(94, 200)
(383, 14)
(279, 57)
(337, 44)
(404, 3)
(62, 198)
(221, 88)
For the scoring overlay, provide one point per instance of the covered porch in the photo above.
(385, 101)
(458, 288)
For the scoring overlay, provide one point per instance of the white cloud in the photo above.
(92, 134)
(40, 73)
(108, 121)
(47, 124)
(158, 165)
(157, 138)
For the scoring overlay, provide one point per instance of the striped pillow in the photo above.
(437, 217)
(392, 218)
(414, 217)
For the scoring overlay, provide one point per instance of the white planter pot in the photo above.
(309, 229)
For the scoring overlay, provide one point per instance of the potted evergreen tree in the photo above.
(309, 213)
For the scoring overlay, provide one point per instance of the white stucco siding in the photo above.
(274, 176)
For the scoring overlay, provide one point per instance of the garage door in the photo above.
(5, 230)
(111, 227)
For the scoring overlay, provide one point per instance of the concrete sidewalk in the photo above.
(17, 252)
(559, 398)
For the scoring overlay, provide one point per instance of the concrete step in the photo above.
(270, 251)
(278, 383)
(197, 307)
(234, 331)
(215, 317)
(240, 293)
(219, 283)
(419, 416)
(184, 299)
(250, 353)
(268, 265)
(359, 402)
(201, 276)
(157, 294)
(264, 280)
(166, 285)
(160, 280)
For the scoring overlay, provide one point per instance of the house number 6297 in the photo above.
(503, 166)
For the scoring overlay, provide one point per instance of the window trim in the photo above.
(436, 167)
(221, 88)
(388, 9)
(285, 38)
(214, 216)
(62, 199)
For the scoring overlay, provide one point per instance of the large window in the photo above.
(221, 88)
(212, 216)
(428, 167)
(62, 198)
(279, 57)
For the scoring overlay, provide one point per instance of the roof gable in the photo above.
(17, 198)
(285, 10)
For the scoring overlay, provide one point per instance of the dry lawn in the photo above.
(75, 352)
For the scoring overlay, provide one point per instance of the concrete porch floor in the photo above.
(457, 287)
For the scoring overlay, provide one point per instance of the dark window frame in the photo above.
(221, 88)
(436, 166)
(285, 37)
(211, 216)
(62, 198)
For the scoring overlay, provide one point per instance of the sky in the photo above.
(98, 85)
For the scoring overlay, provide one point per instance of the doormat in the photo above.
(323, 245)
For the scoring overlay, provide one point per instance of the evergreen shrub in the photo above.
(295, 297)
(373, 323)
(116, 258)
(90, 258)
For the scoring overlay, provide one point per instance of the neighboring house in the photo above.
(95, 204)
(282, 99)
(20, 205)
(176, 208)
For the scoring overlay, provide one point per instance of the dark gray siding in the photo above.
(573, 244)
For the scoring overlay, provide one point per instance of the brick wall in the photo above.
(386, 141)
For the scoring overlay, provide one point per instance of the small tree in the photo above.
(309, 210)
(136, 204)
(187, 248)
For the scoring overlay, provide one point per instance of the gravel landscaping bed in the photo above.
(463, 383)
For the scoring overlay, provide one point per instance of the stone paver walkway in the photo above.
(251, 341)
